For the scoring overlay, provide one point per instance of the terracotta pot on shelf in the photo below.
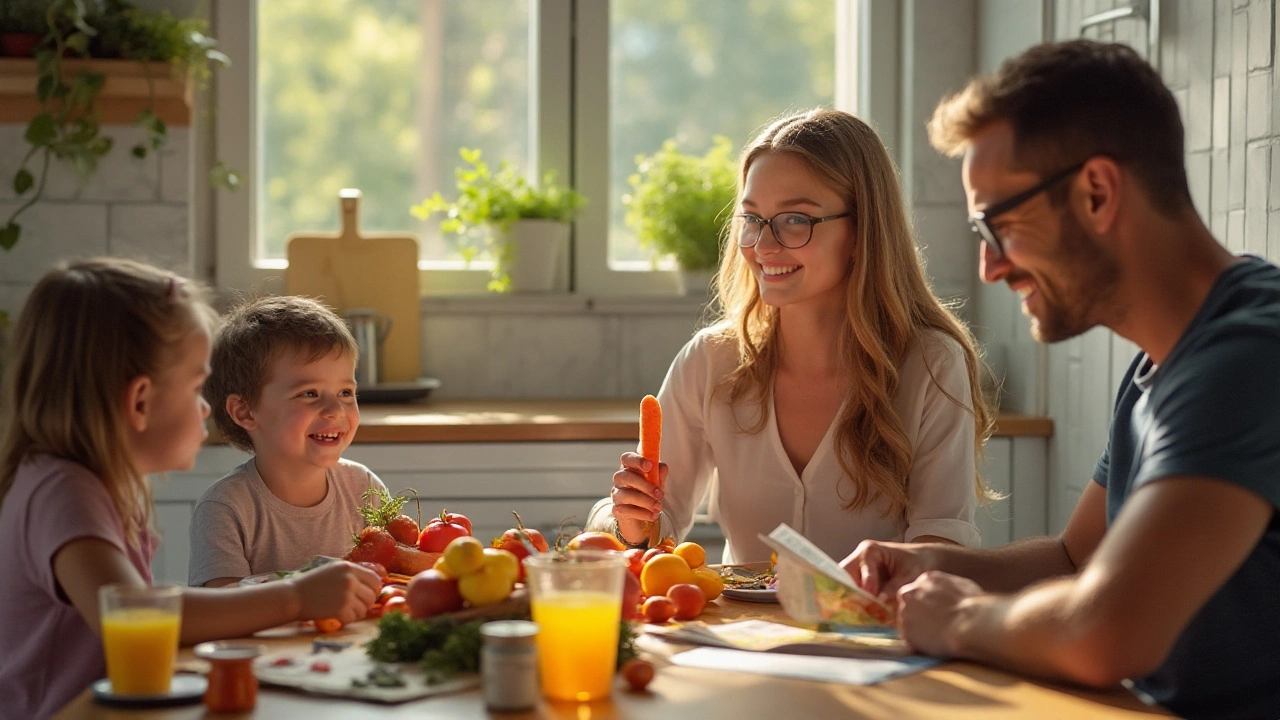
(19, 45)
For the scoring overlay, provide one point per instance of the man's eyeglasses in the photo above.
(791, 229)
(983, 220)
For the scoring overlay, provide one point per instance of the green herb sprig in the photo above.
(387, 510)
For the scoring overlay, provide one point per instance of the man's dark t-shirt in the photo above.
(1212, 410)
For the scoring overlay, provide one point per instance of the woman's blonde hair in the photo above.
(88, 329)
(888, 302)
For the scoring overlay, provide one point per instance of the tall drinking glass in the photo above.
(140, 636)
(577, 602)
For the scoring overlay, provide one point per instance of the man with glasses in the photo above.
(1168, 572)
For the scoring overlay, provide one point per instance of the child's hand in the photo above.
(339, 590)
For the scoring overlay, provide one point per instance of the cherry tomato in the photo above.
(396, 604)
(658, 609)
(638, 673)
(377, 568)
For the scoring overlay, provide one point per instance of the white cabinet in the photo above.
(1016, 467)
(550, 483)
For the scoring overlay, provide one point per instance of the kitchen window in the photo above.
(380, 94)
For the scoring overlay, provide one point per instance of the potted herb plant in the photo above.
(528, 224)
(67, 127)
(22, 24)
(678, 206)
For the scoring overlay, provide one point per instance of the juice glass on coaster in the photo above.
(140, 636)
(576, 598)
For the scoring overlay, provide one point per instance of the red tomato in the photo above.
(375, 546)
(515, 547)
(395, 604)
(688, 600)
(437, 535)
(635, 560)
(376, 567)
(456, 519)
(534, 537)
(651, 553)
(404, 529)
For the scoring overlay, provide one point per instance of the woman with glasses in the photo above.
(835, 393)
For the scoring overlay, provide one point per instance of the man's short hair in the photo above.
(255, 335)
(1069, 101)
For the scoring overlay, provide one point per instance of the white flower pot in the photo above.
(695, 282)
(539, 256)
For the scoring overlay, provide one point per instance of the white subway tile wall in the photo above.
(128, 207)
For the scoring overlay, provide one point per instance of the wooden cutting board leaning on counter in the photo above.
(351, 270)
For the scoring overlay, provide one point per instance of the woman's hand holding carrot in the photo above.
(636, 501)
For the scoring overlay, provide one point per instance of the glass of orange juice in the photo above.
(140, 636)
(576, 598)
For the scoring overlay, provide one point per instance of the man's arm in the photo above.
(883, 568)
(1175, 543)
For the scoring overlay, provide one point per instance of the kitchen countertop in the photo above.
(437, 421)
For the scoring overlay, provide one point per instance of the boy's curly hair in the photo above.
(255, 335)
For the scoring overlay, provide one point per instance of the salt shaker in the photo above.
(509, 664)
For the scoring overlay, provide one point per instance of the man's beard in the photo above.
(1080, 294)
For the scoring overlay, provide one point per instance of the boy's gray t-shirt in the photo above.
(1212, 409)
(240, 528)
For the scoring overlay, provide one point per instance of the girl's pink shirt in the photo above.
(48, 653)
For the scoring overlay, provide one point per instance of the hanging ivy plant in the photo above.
(67, 128)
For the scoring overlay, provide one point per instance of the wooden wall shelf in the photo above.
(123, 96)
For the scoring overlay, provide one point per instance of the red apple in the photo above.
(431, 593)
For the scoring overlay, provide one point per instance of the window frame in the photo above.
(569, 135)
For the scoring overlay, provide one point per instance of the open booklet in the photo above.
(813, 588)
(764, 636)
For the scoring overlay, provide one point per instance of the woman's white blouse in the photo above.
(751, 485)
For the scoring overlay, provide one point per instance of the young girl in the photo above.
(103, 389)
(836, 394)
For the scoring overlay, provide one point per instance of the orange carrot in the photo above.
(650, 444)
(651, 435)
(328, 625)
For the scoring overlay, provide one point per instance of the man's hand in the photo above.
(929, 611)
(881, 568)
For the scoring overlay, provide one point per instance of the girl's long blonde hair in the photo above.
(888, 302)
(88, 329)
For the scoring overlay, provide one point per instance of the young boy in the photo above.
(282, 387)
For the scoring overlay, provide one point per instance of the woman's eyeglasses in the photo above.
(791, 229)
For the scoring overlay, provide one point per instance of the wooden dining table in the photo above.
(951, 690)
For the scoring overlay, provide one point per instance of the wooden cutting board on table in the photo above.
(351, 270)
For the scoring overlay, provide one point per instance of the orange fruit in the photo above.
(709, 582)
(663, 571)
(692, 553)
(596, 541)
